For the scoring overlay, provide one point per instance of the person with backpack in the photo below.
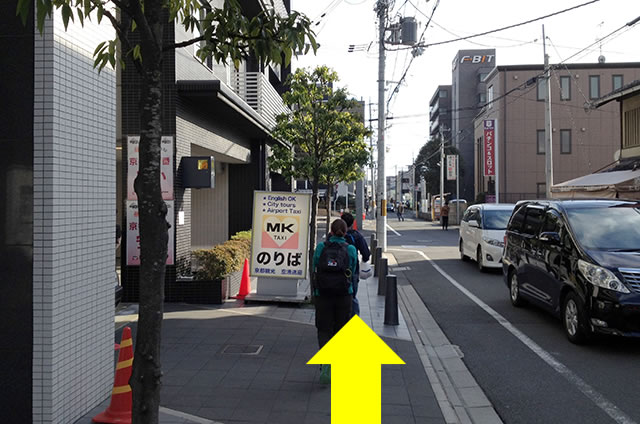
(334, 264)
(354, 238)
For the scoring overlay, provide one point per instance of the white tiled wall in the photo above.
(74, 220)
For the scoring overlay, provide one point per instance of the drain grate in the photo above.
(242, 349)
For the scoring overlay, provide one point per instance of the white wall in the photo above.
(74, 218)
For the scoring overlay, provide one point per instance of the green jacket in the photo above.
(353, 257)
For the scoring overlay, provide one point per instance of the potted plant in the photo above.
(217, 273)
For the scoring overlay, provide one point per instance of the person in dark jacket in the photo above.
(333, 312)
(354, 238)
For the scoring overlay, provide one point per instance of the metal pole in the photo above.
(381, 222)
(442, 174)
(391, 301)
(497, 164)
(458, 189)
(548, 146)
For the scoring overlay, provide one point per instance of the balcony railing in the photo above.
(257, 91)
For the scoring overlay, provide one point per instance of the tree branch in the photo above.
(121, 31)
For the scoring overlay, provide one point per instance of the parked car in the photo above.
(482, 233)
(578, 259)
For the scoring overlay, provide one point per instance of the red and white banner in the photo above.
(489, 144)
(451, 167)
(133, 233)
(166, 166)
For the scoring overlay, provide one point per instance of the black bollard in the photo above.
(382, 281)
(372, 248)
(391, 301)
(376, 259)
(374, 240)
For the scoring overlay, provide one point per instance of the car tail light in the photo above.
(504, 239)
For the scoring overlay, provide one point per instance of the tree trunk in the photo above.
(329, 193)
(313, 230)
(146, 376)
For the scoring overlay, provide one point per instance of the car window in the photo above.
(518, 219)
(465, 217)
(552, 223)
(611, 228)
(473, 215)
(496, 219)
(532, 221)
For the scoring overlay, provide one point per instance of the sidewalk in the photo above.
(247, 364)
(241, 364)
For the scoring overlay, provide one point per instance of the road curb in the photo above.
(460, 397)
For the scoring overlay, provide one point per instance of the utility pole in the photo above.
(548, 145)
(381, 221)
(441, 170)
(373, 178)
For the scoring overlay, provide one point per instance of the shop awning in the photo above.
(614, 184)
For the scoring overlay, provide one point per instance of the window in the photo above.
(542, 88)
(482, 76)
(594, 86)
(565, 142)
(565, 88)
(541, 190)
(443, 93)
(482, 98)
(552, 223)
(533, 220)
(541, 142)
(518, 219)
(618, 81)
(490, 96)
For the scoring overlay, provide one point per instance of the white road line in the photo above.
(602, 402)
(185, 416)
(389, 227)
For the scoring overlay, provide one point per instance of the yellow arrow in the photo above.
(356, 355)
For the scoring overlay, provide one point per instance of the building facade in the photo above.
(584, 139)
(469, 94)
(209, 110)
(440, 113)
(57, 191)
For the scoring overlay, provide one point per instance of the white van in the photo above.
(482, 233)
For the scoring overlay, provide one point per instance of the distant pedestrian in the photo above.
(400, 211)
(354, 238)
(334, 264)
(444, 216)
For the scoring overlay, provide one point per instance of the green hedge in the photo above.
(223, 259)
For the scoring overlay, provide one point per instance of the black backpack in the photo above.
(333, 275)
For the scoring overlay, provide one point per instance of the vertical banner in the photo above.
(279, 240)
(133, 233)
(489, 147)
(166, 166)
(451, 167)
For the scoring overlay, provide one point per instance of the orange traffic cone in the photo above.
(245, 283)
(119, 411)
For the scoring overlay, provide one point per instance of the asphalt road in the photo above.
(526, 366)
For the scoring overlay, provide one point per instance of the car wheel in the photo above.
(514, 290)
(463, 257)
(481, 267)
(573, 319)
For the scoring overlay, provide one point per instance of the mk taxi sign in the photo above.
(489, 144)
(279, 239)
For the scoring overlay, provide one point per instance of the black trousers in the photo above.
(332, 313)
(445, 222)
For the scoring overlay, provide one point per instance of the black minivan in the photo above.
(578, 259)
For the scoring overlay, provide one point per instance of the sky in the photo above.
(354, 22)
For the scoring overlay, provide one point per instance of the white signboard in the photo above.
(166, 166)
(280, 242)
(451, 167)
(133, 233)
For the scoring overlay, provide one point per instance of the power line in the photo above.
(511, 26)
